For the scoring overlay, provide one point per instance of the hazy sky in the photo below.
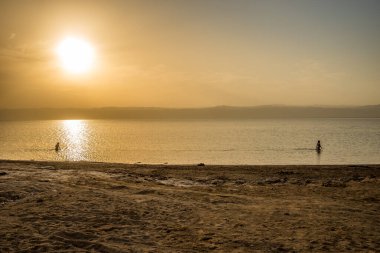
(193, 53)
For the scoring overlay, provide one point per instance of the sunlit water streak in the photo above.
(261, 141)
(75, 140)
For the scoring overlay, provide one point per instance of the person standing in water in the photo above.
(318, 147)
(57, 148)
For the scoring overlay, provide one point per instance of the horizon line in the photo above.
(203, 107)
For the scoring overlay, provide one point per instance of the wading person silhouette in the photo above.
(57, 148)
(318, 148)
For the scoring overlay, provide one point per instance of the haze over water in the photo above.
(173, 59)
(258, 141)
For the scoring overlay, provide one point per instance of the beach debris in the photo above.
(2, 173)
(201, 164)
(39, 200)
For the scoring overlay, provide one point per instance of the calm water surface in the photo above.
(259, 141)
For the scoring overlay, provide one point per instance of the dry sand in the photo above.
(99, 207)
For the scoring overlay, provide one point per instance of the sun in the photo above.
(76, 55)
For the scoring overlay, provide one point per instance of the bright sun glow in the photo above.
(75, 55)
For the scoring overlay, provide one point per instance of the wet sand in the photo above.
(100, 207)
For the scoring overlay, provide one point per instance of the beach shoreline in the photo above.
(114, 207)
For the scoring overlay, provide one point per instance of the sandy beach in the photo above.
(100, 207)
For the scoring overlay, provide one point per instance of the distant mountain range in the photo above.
(218, 112)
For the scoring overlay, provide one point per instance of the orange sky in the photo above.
(192, 53)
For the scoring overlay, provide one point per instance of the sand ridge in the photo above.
(103, 207)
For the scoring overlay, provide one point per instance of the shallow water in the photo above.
(259, 141)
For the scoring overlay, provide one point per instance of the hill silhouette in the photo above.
(218, 112)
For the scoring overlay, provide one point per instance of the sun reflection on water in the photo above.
(75, 140)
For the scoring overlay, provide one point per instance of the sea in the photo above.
(221, 142)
